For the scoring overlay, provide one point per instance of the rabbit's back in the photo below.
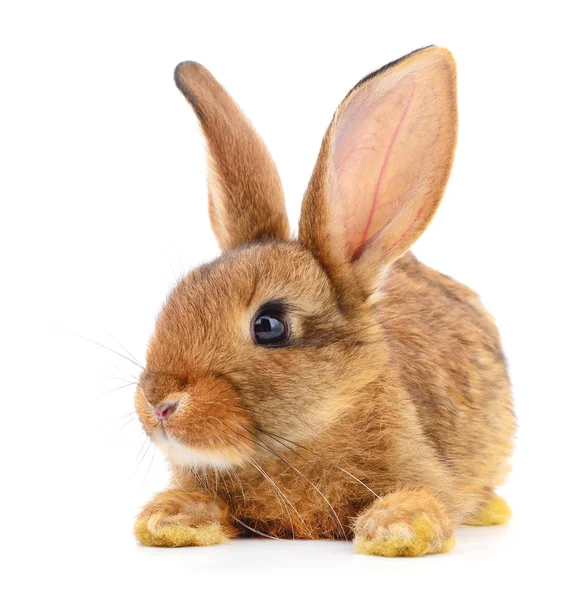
(446, 350)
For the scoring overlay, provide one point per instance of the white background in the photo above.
(103, 206)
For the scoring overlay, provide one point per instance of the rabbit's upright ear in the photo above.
(246, 202)
(382, 169)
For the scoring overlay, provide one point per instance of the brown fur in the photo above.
(246, 201)
(390, 406)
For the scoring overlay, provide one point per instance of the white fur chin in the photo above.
(184, 456)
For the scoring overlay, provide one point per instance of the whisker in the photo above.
(139, 364)
(228, 472)
(129, 414)
(280, 491)
(131, 419)
(118, 388)
(289, 464)
(109, 349)
(196, 475)
(142, 447)
(126, 372)
(226, 487)
(282, 498)
(328, 461)
(265, 535)
(239, 481)
(121, 379)
(150, 463)
(215, 471)
(140, 462)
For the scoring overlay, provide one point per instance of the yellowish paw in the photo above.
(419, 537)
(495, 512)
(175, 535)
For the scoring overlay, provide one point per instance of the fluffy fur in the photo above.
(387, 417)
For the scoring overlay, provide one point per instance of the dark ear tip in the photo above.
(186, 76)
(430, 49)
(185, 71)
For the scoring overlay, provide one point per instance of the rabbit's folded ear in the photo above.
(382, 169)
(246, 202)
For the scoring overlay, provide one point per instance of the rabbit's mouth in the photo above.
(195, 424)
(188, 456)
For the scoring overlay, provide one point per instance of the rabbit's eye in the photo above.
(270, 327)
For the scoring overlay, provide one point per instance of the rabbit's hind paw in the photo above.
(494, 512)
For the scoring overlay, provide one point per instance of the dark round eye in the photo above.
(270, 327)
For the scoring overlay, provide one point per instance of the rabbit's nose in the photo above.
(165, 410)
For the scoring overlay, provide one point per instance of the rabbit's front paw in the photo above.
(175, 518)
(174, 535)
(405, 523)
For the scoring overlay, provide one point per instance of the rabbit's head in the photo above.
(274, 339)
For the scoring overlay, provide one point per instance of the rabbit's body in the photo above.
(451, 401)
(330, 386)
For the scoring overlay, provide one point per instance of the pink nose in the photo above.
(165, 410)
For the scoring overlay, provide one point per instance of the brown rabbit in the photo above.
(329, 386)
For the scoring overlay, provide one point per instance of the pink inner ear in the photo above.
(377, 194)
(390, 149)
(364, 163)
